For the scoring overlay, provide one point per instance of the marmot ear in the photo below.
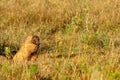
(35, 40)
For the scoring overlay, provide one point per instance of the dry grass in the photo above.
(80, 40)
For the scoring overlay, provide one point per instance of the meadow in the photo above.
(79, 39)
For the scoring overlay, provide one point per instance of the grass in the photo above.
(80, 40)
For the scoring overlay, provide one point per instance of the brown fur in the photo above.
(28, 50)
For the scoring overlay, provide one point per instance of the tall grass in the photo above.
(79, 39)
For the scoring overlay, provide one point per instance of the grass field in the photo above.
(80, 39)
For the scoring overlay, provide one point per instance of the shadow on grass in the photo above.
(44, 49)
(45, 78)
(8, 49)
(66, 56)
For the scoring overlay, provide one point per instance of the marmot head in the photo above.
(33, 39)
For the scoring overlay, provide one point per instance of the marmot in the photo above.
(28, 50)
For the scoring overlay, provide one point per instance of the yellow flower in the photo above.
(60, 42)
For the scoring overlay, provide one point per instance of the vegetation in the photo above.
(80, 39)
